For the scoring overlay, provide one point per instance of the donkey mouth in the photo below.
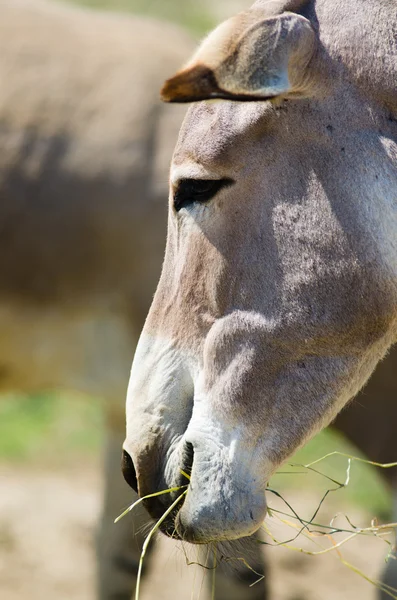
(171, 525)
(199, 496)
(175, 528)
(159, 506)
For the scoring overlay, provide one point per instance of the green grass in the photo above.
(49, 428)
(188, 13)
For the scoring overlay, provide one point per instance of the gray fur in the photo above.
(278, 297)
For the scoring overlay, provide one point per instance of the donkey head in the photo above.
(278, 294)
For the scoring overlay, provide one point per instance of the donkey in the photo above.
(278, 294)
(85, 145)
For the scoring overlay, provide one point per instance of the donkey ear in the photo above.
(249, 58)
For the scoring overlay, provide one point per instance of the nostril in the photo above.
(187, 461)
(128, 469)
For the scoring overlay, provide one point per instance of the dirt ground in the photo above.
(47, 521)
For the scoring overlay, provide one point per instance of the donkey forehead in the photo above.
(353, 67)
(211, 129)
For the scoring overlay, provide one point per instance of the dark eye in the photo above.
(190, 191)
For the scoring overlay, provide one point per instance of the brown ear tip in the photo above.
(175, 89)
(180, 88)
(167, 92)
(190, 85)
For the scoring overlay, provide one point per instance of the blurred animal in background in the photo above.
(85, 147)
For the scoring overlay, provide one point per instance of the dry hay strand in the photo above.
(309, 529)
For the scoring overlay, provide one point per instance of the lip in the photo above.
(157, 506)
(168, 526)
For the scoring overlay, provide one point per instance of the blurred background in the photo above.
(51, 454)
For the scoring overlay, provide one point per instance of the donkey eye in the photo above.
(190, 191)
